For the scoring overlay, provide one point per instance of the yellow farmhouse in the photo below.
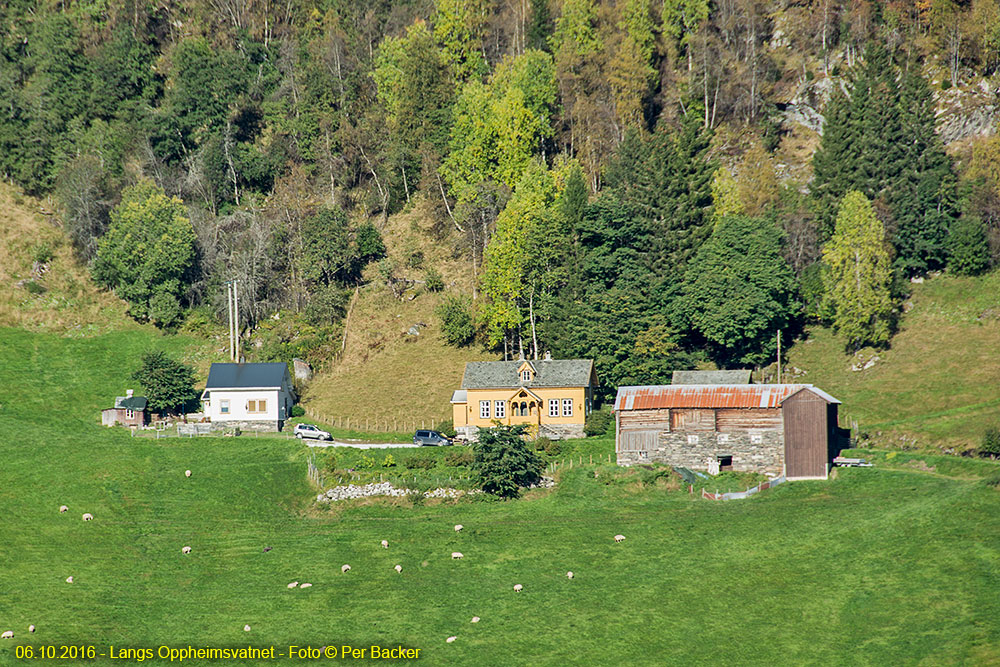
(554, 396)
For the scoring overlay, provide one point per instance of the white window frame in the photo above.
(484, 409)
(500, 409)
(525, 375)
(567, 407)
(129, 413)
(223, 406)
(553, 407)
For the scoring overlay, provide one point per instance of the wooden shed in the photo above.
(775, 429)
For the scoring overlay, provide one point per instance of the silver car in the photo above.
(311, 431)
(430, 438)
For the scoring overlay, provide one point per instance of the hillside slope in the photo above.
(56, 294)
(387, 377)
(939, 383)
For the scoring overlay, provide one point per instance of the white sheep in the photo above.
(246, 628)
(399, 569)
(187, 473)
(88, 516)
(305, 585)
(569, 575)
(293, 584)
(385, 544)
(517, 588)
(345, 568)
(69, 580)
(456, 555)
(185, 550)
(31, 628)
(451, 639)
(63, 508)
(619, 538)
(9, 634)
(475, 619)
(458, 527)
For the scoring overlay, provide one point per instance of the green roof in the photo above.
(548, 373)
(131, 403)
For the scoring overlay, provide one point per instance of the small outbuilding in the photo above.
(129, 410)
(788, 429)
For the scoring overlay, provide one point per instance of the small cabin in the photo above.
(777, 429)
(256, 396)
(129, 411)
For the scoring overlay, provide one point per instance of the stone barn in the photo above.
(788, 429)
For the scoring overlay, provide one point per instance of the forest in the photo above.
(608, 170)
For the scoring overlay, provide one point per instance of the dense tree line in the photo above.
(607, 164)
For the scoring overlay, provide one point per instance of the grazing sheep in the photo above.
(63, 508)
(385, 544)
(517, 588)
(266, 549)
(185, 550)
(69, 580)
(456, 555)
(475, 619)
(305, 585)
(451, 639)
(293, 584)
(10, 635)
(398, 568)
(187, 473)
(246, 628)
(458, 527)
(345, 568)
(619, 538)
(569, 575)
(31, 628)
(88, 517)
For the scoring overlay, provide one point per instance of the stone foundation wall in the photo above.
(263, 425)
(550, 431)
(766, 455)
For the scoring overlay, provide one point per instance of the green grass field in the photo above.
(898, 564)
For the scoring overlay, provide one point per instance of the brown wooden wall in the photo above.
(806, 435)
(692, 420)
(640, 420)
(745, 419)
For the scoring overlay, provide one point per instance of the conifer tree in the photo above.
(858, 283)
(968, 248)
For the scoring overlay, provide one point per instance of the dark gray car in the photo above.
(430, 438)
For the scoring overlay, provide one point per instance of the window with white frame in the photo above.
(484, 409)
(129, 413)
(567, 407)
(500, 409)
(525, 375)
(224, 407)
(553, 407)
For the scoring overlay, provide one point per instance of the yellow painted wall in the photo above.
(470, 410)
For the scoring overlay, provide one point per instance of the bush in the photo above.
(164, 309)
(456, 320)
(433, 280)
(421, 462)
(415, 260)
(990, 446)
(447, 428)
(389, 461)
(34, 288)
(598, 423)
(549, 447)
(968, 247)
(298, 411)
(459, 457)
(42, 253)
(503, 461)
(327, 305)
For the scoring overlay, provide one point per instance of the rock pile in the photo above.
(383, 489)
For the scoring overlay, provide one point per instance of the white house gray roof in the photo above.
(739, 376)
(548, 373)
(237, 376)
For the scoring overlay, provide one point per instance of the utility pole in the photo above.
(779, 356)
(229, 308)
(236, 310)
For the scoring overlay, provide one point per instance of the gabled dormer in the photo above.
(525, 372)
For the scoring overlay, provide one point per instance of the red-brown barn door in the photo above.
(804, 416)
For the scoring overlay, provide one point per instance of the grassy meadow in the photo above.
(897, 564)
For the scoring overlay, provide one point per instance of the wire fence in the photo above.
(376, 424)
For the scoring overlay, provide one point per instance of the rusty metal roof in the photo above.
(710, 396)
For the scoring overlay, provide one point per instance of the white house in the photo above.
(249, 396)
